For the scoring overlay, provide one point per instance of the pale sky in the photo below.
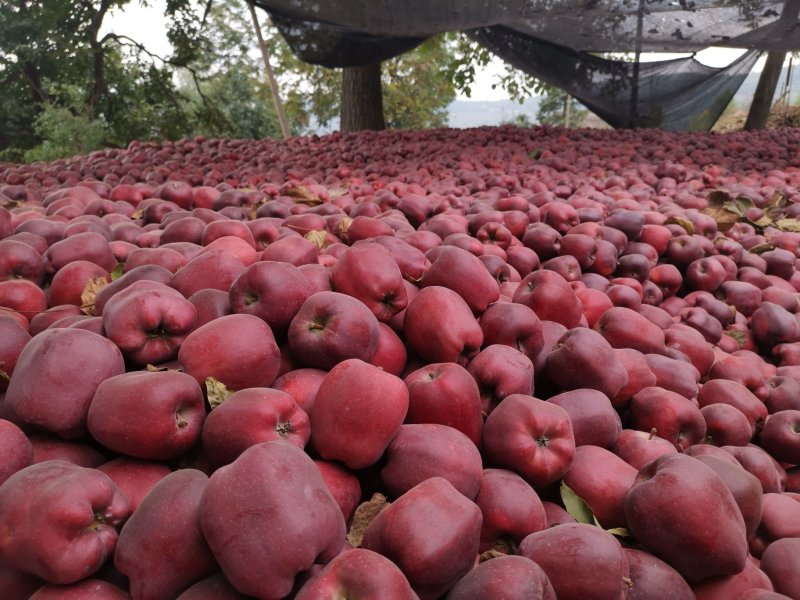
(147, 26)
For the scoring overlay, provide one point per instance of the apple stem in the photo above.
(653, 432)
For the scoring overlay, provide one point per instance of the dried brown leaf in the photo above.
(363, 516)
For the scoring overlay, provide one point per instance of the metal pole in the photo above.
(633, 117)
(273, 84)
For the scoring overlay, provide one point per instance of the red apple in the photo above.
(148, 321)
(581, 561)
(368, 272)
(514, 325)
(550, 297)
(48, 367)
(651, 576)
(708, 538)
(249, 417)
(302, 385)
(357, 411)
(17, 450)
(531, 437)
(637, 448)
(781, 563)
(582, 358)
(161, 548)
(216, 269)
(420, 451)
(22, 296)
(272, 482)
(594, 420)
(238, 350)
(465, 274)
(458, 341)
(152, 415)
(512, 577)
(673, 416)
(445, 393)
(342, 484)
(272, 291)
(625, 328)
(358, 573)
(46, 510)
(331, 327)
(499, 371)
(431, 532)
(134, 477)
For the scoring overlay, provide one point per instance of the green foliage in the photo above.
(416, 87)
(559, 108)
(66, 130)
(519, 120)
(48, 50)
(467, 56)
(226, 90)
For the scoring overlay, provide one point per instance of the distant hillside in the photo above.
(745, 93)
(475, 113)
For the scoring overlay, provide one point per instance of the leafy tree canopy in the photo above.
(69, 88)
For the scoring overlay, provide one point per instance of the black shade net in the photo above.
(556, 41)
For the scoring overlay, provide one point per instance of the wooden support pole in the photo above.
(768, 82)
(273, 84)
(765, 91)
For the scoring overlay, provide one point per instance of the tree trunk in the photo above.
(765, 91)
(98, 56)
(362, 98)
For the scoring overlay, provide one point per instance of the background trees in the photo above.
(69, 88)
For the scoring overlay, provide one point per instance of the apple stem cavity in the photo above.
(97, 523)
(284, 429)
(180, 420)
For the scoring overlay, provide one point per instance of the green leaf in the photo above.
(576, 506)
(737, 335)
(743, 204)
(733, 207)
(619, 532)
(117, 271)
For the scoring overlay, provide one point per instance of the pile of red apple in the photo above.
(464, 364)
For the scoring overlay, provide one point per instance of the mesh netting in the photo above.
(552, 40)
(584, 25)
(678, 95)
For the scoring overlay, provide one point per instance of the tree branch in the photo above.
(124, 40)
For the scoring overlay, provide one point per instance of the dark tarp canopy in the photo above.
(553, 40)
(680, 94)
